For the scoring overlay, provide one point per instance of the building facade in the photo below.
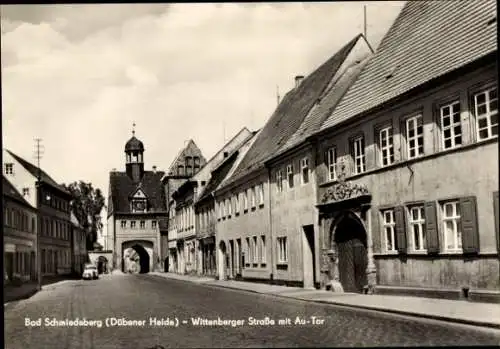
(277, 232)
(19, 236)
(52, 202)
(188, 162)
(136, 204)
(79, 246)
(187, 195)
(397, 197)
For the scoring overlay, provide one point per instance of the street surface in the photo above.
(135, 300)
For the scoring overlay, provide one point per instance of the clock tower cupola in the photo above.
(134, 158)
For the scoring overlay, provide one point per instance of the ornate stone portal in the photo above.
(344, 200)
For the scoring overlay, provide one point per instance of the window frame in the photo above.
(331, 163)
(421, 223)
(386, 152)
(392, 226)
(261, 194)
(456, 220)
(355, 156)
(304, 166)
(9, 168)
(488, 115)
(289, 175)
(452, 124)
(417, 118)
(282, 246)
(263, 258)
(279, 181)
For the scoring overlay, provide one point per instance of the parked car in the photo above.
(90, 272)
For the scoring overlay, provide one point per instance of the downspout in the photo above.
(270, 222)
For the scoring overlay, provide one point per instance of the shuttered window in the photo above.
(431, 227)
(496, 217)
(399, 218)
(470, 233)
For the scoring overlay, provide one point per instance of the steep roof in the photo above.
(121, 187)
(45, 178)
(191, 145)
(426, 41)
(10, 191)
(223, 170)
(134, 144)
(325, 105)
(290, 113)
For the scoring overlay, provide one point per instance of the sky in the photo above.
(79, 76)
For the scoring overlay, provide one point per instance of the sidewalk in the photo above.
(26, 290)
(471, 313)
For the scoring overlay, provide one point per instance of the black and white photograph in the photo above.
(250, 175)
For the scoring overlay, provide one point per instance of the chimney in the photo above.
(226, 154)
(154, 169)
(298, 80)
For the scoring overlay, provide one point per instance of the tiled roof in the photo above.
(34, 171)
(427, 40)
(122, 186)
(218, 175)
(10, 191)
(290, 113)
(320, 112)
(241, 155)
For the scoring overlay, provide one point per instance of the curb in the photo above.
(358, 307)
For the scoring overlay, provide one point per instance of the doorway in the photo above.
(309, 256)
(350, 240)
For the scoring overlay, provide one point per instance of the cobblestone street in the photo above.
(141, 297)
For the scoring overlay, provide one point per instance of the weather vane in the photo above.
(133, 129)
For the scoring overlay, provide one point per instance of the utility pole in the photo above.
(38, 156)
(364, 22)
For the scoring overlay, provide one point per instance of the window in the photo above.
(236, 204)
(451, 126)
(451, 225)
(132, 224)
(142, 224)
(261, 194)
(252, 196)
(358, 154)
(196, 164)
(331, 161)
(289, 175)
(304, 169)
(389, 224)
(229, 207)
(245, 200)
(279, 181)
(386, 146)
(486, 109)
(153, 224)
(255, 250)
(249, 249)
(282, 250)
(180, 170)
(9, 168)
(415, 136)
(26, 191)
(263, 249)
(417, 228)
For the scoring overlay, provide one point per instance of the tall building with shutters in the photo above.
(410, 154)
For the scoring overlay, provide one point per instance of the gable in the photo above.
(139, 194)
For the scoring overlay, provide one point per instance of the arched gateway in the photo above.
(347, 258)
(348, 240)
(139, 257)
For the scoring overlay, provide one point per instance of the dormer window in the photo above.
(139, 205)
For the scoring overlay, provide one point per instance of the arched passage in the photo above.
(223, 261)
(349, 240)
(102, 264)
(137, 256)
